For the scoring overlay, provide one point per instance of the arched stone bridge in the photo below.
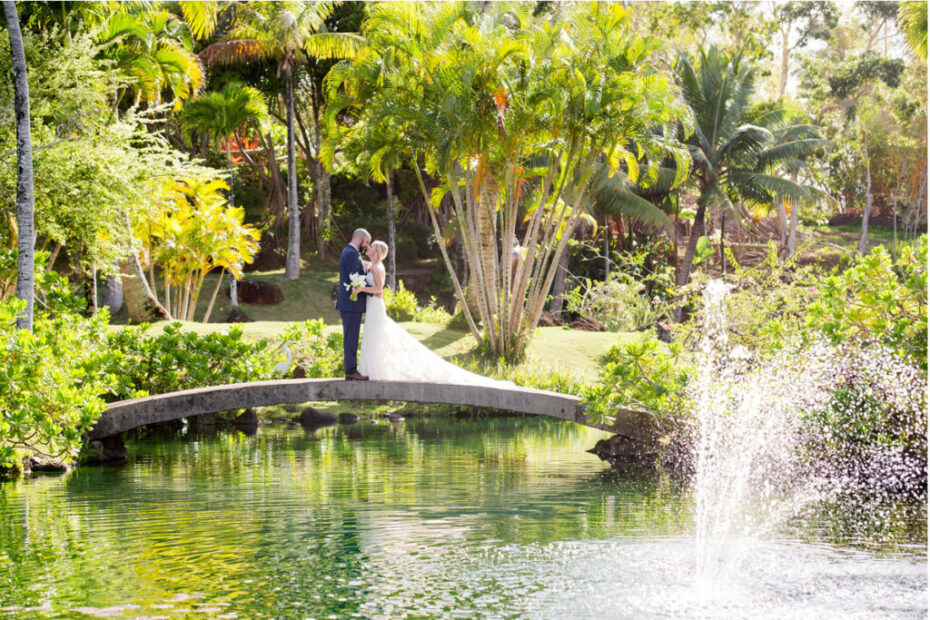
(129, 414)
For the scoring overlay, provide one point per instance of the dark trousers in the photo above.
(351, 325)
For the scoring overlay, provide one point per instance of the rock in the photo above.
(236, 315)
(664, 332)
(106, 450)
(299, 372)
(37, 464)
(247, 418)
(315, 418)
(587, 324)
(291, 408)
(259, 292)
(547, 319)
(394, 417)
(621, 449)
(348, 418)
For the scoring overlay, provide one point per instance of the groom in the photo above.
(352, 311)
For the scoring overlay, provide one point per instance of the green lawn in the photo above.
(559, 348)
(306, 298)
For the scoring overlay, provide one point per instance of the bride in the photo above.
(389, 353)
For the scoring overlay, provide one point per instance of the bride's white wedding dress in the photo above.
(389, 353)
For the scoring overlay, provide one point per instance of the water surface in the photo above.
(504, 517)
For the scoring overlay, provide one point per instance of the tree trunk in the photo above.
(558, 287)
(141, 303)
(392, 240)
(322, 186)
(113, 294)
(677, 241)
(783, 79)
(697, 231)
(723, 247)
(782, 221)
(863, 240)
(606, 249)
(684, 274)
(25, 203)
(292, 262)
(229, 173)
(793, 228)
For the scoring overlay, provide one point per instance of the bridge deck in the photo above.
(128, 414)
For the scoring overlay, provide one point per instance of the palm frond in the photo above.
(334, 44)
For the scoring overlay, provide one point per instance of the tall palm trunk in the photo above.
(864, 238)
(782, 221)
(322, 179)
(558, 287)
(292, 262)
(392, 239)
(606, 249)
(229, 173)
(697, 231)
(684, 274)
(25, 204)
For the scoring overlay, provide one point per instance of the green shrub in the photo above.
(51, 380)
(878, 300)
(620, 303)
(646, 376)
(53, 295)
(401, 305)
(318, 353)
(177, 360)
(433, 313)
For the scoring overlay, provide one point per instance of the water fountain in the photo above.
(766, 443)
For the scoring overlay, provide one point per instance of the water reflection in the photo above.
(433, 517)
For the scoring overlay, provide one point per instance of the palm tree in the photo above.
(912, 17)
(25, 206)
(222, 115)
(515, 117)
(153, 49)
(734, 156)
(278, 31)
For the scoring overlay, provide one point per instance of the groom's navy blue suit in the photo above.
(350, 262)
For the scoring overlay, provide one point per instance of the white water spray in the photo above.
(754, 463)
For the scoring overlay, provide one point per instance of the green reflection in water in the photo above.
(365, 519)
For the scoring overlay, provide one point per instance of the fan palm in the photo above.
(278, 31)
(222, 115)
(735, 160)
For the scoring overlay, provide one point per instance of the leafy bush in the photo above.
(433, 313)
(878, 300)
(645, 375)
(177, 360)
(401, 305)
(620, 303)
(318, 353)
(52, 291)
(51, 380)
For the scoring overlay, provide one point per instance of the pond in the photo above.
(497, 517)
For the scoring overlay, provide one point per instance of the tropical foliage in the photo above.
(195, 234)
(516, 117)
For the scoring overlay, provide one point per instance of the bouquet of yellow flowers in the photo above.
(356, 280)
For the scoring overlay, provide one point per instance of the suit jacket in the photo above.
(350, 262)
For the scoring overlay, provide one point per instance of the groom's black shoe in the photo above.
(356, 377)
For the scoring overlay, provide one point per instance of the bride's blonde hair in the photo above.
(381, 248)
